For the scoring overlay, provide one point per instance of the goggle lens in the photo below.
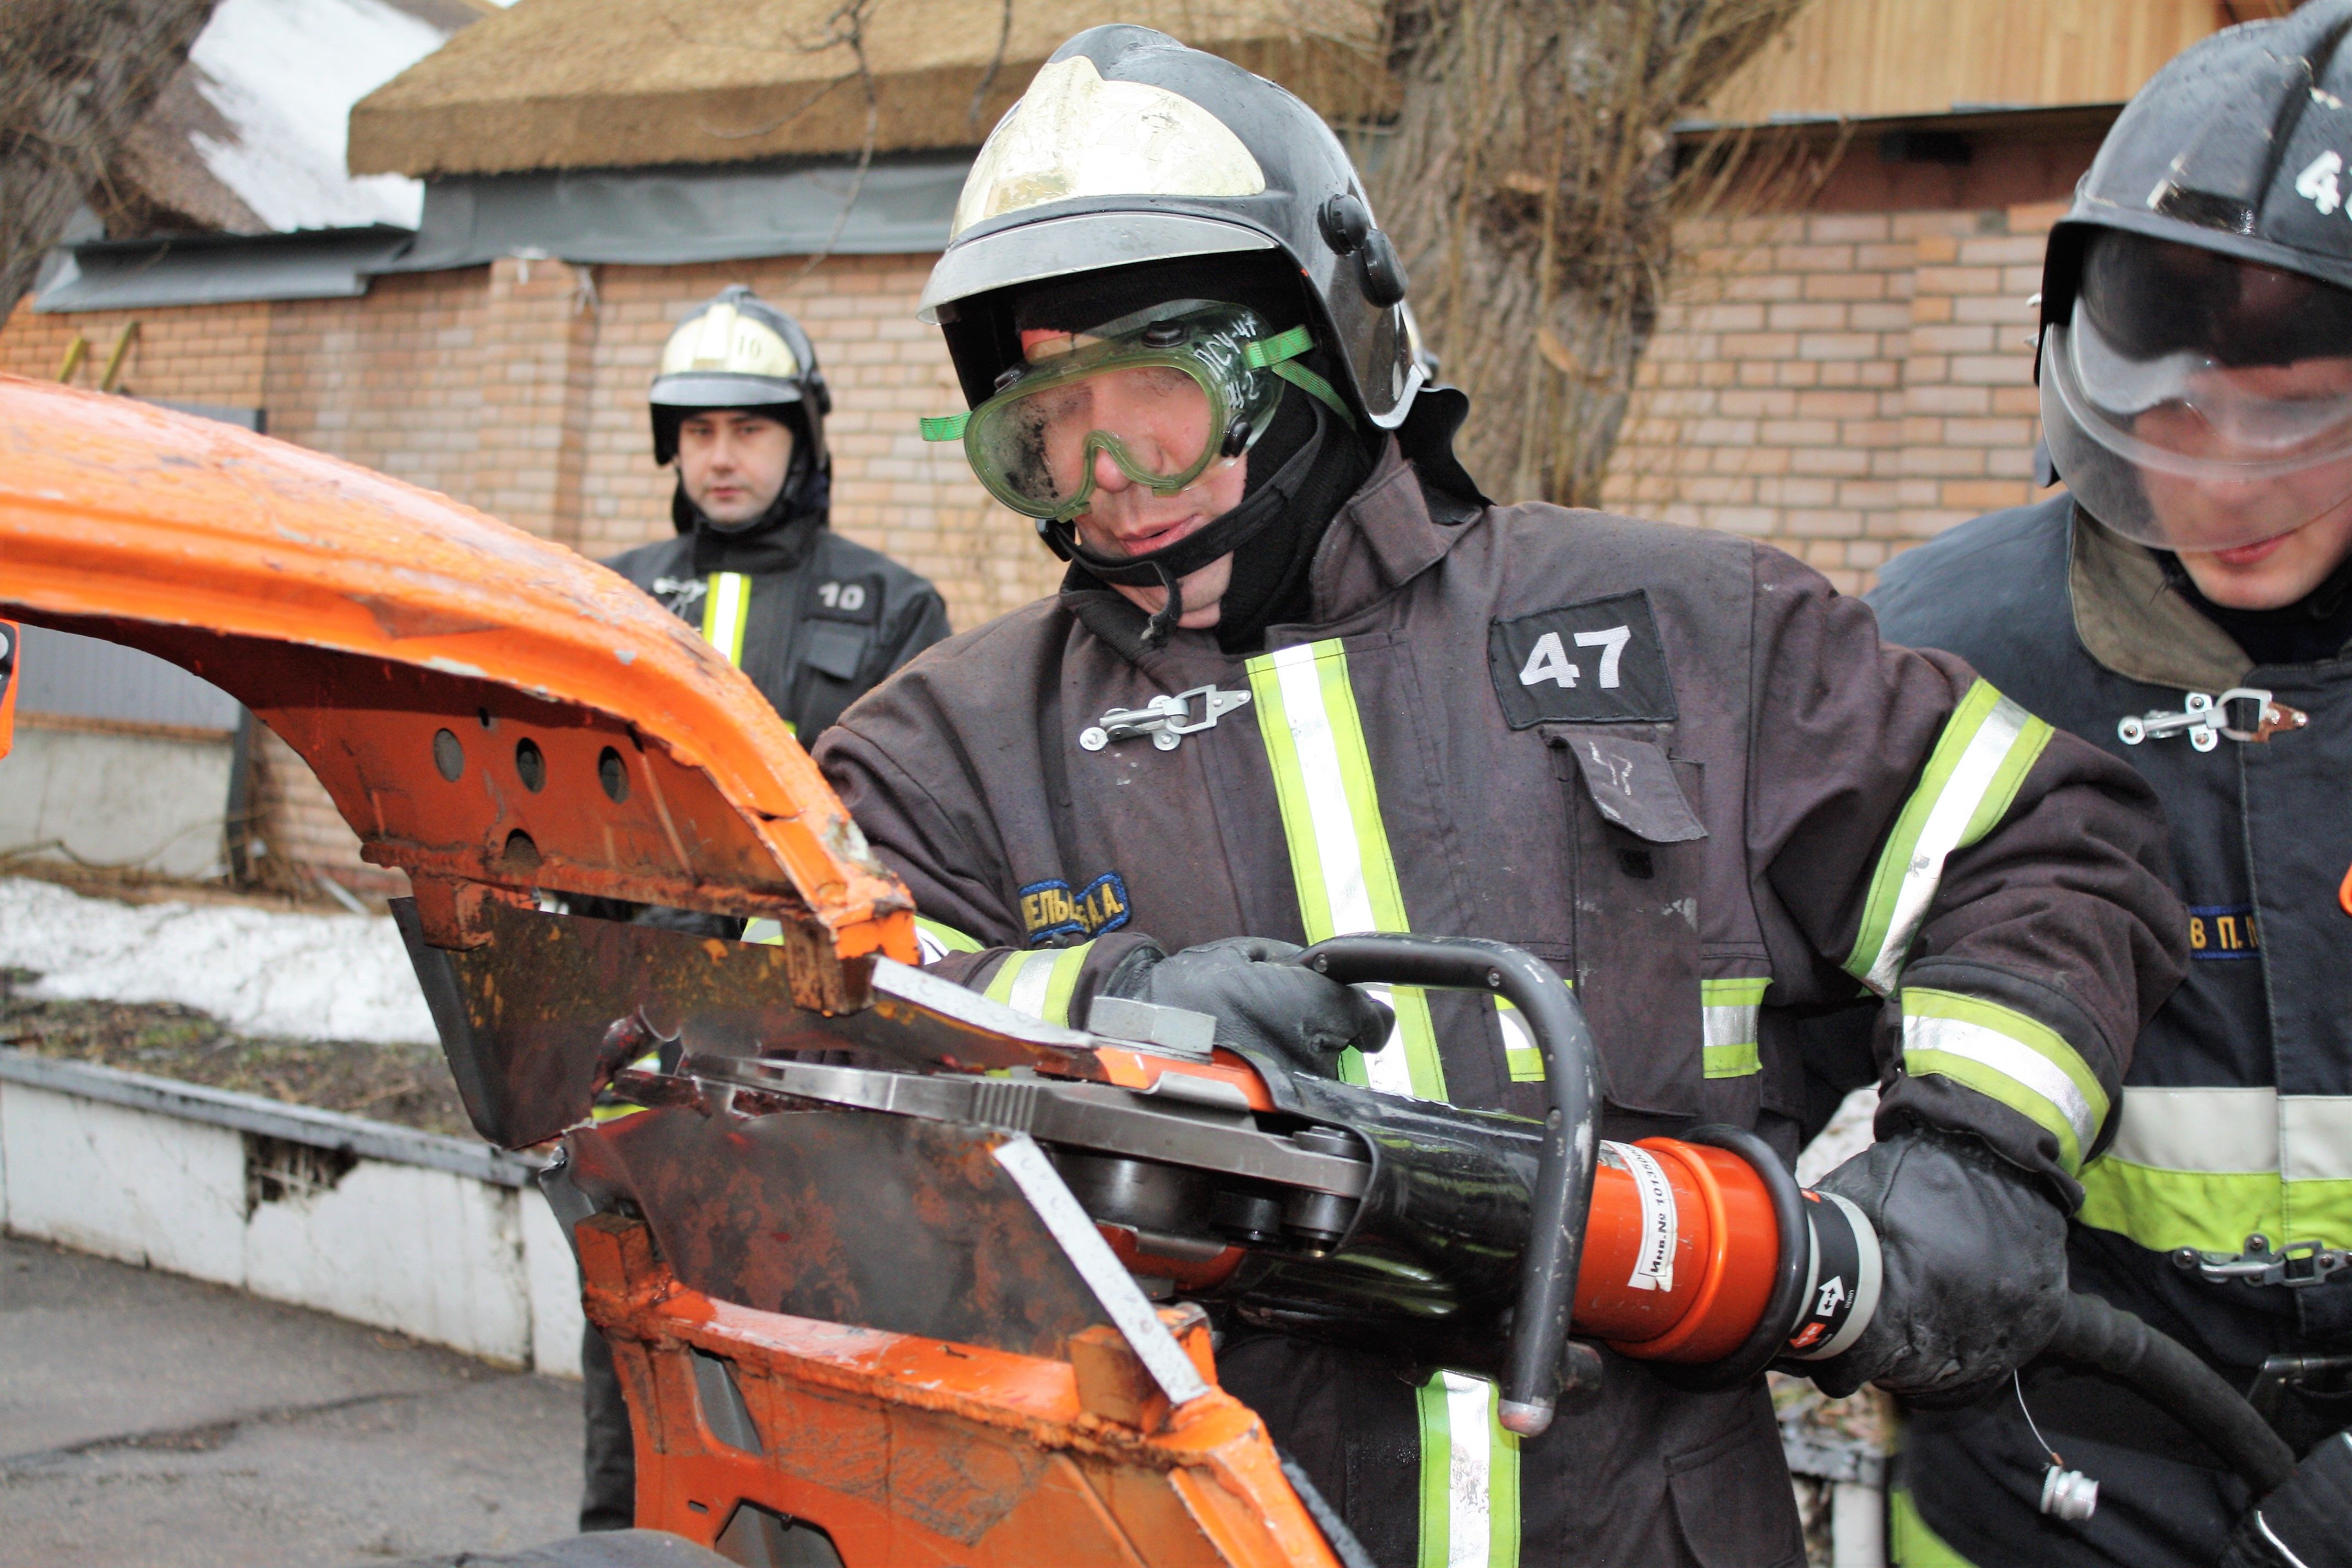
(1154, 423)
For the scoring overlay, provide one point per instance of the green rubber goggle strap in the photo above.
(1315, 386)
(1278, 355)
(945, 427)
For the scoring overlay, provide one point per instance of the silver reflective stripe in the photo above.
(2209, 1130)
(2010, 1058)
(2315, 1137)
(1729, 1028)
(1955, 806)
(1032, 982)
(1469, 1490)
(1339, 840)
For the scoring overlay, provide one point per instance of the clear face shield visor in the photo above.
(2194, 402)
(1162, 395)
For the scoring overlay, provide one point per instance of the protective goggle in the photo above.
(1163, 394)
(2195, 401)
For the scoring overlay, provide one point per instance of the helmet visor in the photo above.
(2195, 401)
(1157, 397)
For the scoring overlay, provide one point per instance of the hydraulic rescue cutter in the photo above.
(893, 1274)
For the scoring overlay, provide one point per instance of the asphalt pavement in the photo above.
(149, 1421)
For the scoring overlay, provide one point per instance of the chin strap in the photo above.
(1219, 538)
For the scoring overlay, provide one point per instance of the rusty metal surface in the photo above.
(915, 1451)
(540, 1008)
(366, 620)
(860, 1217)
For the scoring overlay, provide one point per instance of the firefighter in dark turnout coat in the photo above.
(814, 619)
(2197, 388)
(1303, 680)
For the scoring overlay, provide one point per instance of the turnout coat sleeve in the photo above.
(949, 850)
(1997, 883)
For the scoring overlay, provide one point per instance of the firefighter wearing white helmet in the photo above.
(739, 408)
(1303, 680)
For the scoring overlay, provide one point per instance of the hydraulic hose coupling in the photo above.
(1704, 1255)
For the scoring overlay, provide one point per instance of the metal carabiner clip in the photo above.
(2206, 720)
(1167, 720)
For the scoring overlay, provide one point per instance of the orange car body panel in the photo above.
(235, 556)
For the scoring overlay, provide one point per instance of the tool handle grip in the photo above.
(1536, 1368)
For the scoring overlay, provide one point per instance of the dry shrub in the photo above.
(1532, 179)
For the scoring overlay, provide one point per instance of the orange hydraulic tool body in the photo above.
(895, 1275)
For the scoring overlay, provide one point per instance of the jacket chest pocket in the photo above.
(1639, 847)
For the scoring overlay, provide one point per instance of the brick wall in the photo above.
(1841, 384)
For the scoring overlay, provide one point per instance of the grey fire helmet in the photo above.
(2196, 357)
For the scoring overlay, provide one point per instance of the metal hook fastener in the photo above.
(1167, 720)
(2206, 719)
(2297, 1266)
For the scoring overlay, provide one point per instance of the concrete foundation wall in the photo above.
(355, 1218)
(107, 798)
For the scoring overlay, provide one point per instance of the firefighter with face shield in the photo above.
(2186, 605)
(1302, 678)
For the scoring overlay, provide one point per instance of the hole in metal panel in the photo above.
(724, 1410)
(760, 1538)
(614, 774)
(531, 764)
(521, 853)
(449, 756)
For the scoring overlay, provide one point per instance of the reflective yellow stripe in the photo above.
(1728, 1011)
(1520, 1056)
(1986, 747)
(2015, 1059)
(1039, 982)
(1339, 857)
(2209, 1167)
(1911, 1543)
(936, 940)
(1469, 1477)
(763, 931)
(726, 607)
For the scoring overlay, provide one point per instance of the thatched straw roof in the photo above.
(569, 84)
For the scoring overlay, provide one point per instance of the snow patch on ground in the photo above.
(259, 972)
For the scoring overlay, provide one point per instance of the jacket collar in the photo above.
(2136, 623)
(1382, 539)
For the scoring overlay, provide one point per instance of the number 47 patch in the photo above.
(2317, 185)
(1595, 662)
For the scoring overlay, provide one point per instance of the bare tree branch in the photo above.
(1533, 182)
(75, 76)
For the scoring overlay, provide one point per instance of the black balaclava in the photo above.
(1301, 471)
(807, 490)
(2314, 629)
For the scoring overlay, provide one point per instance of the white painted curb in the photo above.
(439, 1238)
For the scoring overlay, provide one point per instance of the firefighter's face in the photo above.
(732, 462)
(2282, 567)
(1162, 417)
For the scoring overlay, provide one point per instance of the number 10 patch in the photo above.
(1594, 663)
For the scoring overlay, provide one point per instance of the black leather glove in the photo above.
(1301, 1018)
(1975, 1267)
(2307, 1523)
